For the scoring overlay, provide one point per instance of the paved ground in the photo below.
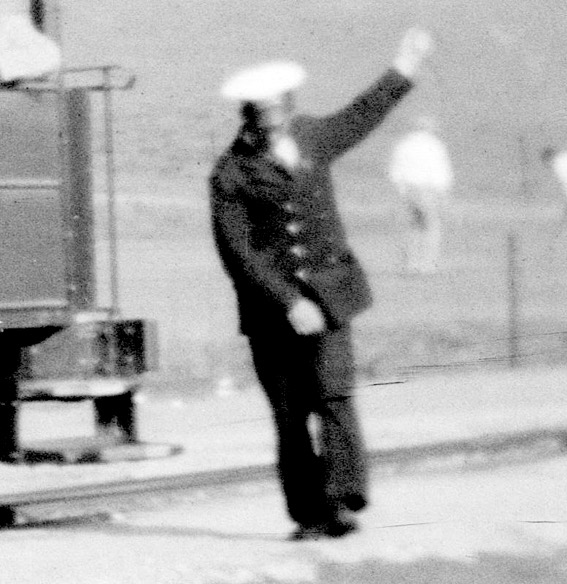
(234, 430)
(505, 524)
(437, 521)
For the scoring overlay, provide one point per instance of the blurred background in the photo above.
(496, 86)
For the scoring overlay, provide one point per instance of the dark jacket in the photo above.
(278, 232)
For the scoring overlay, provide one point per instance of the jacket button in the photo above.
(298, 251)
(301, 275)
(289, 207)
(293, 228)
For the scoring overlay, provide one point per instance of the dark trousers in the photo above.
(305, 378)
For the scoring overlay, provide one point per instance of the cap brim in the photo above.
(264, 82)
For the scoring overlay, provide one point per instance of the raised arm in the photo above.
(350, 125)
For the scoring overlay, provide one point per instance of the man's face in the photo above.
(275, 114)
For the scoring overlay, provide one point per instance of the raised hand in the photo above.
(416, 45)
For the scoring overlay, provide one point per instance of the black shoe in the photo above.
(340, 526)
(308, 532)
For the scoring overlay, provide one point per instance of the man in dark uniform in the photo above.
(298, 285)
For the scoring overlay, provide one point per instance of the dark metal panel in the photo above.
(32, 254)
(85, 350)
(46, 216)
(29, 125)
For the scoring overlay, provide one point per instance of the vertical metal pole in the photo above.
(65, 185)
(524, 163)
(80, 203)
(11, 351)
(513, 297)
(37, 8)
(112, 230)
(8, 517)
(213, 145)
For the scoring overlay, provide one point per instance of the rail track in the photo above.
(53, 505)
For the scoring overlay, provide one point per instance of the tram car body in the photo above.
(56, 342)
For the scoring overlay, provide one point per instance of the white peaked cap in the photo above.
(263, 82)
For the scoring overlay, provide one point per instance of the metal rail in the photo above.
(498, 449)
(21, 184)
(112, 77)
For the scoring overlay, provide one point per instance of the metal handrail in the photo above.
(125, 81)
(111, 191)
(23, 184)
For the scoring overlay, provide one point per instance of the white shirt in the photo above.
(285, 150)
(421, 159)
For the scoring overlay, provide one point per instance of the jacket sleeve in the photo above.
(247, 266)
(346, 128)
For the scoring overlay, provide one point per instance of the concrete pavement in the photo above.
(230, 435)
(504, 525)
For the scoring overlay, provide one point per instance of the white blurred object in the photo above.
(225, 386)
(25, 52)
(416, 45)
(558, 162)
(421, 159)
(263, 82)
(559, 165)
(421, 170)
(286, 151)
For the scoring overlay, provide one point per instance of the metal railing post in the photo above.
(110, 169)
(513, 297)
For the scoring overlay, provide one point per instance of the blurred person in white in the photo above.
(25, 51)
(557, 161)
(421, 170)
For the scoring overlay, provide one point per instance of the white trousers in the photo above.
(423, 206)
